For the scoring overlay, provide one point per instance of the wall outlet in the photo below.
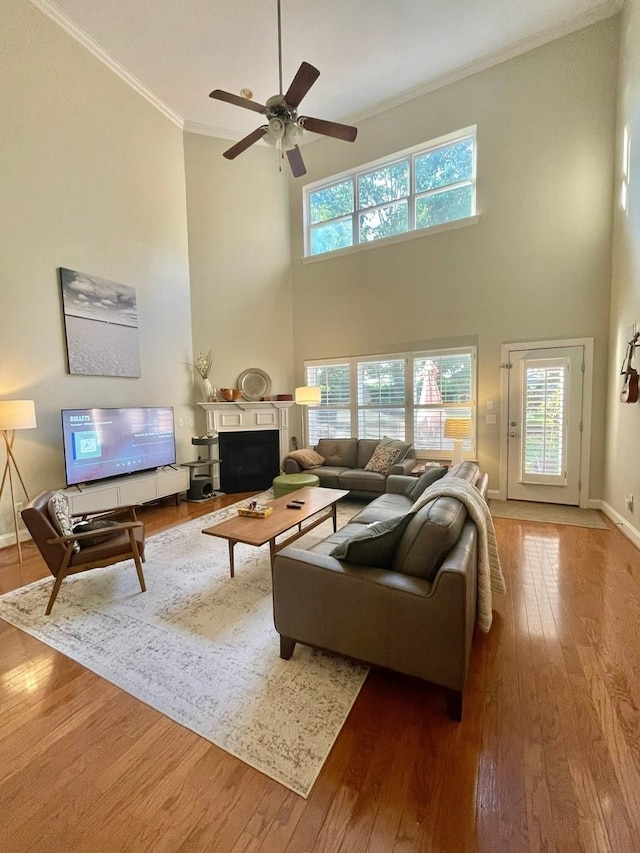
(180, 422)
(18, 507)
(628, 499)
(492, 419)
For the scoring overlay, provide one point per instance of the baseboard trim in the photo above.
(8, 539)
(493, 494)
(595, 503)
(621, 523)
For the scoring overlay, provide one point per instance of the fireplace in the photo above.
(249, 460)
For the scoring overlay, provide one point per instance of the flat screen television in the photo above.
(102, 443)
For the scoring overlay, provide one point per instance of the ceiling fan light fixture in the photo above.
(292, 135)
(246, 93)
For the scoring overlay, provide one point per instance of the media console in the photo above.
(132, 489)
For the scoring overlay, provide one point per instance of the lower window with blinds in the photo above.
(408, 396)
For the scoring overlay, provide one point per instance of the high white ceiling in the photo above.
(369, 52)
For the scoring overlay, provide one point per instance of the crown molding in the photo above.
(93, 47)
(212, 130)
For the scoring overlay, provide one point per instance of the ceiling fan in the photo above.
(284, 126)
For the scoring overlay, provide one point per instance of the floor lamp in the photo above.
(307, 395)
(458, 429)
(14, 414)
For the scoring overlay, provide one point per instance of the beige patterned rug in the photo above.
(548, 513)
(201, 648)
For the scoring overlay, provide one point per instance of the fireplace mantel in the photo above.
(243, 416)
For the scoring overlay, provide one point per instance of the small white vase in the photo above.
(207, 390)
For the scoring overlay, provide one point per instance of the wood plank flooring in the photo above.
(547, 758)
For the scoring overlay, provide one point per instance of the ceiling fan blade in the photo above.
(241, 146)
(230, 98)
(296, 162)
(305, 77)
(329, 128)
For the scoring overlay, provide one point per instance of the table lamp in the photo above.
(458, 429)
(307, 395)
(15, 414)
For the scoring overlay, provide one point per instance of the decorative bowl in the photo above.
(230, 394)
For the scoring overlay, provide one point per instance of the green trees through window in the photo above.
(419, 189)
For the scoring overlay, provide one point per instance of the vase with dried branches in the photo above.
(203, 364)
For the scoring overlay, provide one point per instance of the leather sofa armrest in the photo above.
(405, 466)
(398, 484)
(291, 466)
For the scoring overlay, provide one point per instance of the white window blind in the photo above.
(544, 421)
(381, 398)
(402, 395)
(332, 418)
(443, 386)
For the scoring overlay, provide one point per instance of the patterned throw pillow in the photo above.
(307, 458)
(382, 459)
(94, 524)
(60, 515)
(376, 545)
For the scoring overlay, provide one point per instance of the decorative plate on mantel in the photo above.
(254, 383)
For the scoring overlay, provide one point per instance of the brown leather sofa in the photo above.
(416, 616)
(344, 466)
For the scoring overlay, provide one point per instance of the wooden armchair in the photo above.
(120, 541)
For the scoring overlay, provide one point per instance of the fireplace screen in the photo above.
(249, 460)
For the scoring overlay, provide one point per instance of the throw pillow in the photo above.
(382, 459)
(94, 524)
(395, 442)
(60, 515)
(374, 546)
(424, 480)
(307, 458)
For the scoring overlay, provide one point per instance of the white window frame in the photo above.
(409, 155)
(409, 406)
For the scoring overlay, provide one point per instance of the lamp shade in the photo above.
(458, 428)
(17, 414)
(308, 395)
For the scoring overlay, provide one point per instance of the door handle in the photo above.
(513, 434)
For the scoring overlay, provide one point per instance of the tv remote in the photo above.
(294, 506)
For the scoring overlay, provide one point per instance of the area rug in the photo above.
(201, 647)
(548, 513)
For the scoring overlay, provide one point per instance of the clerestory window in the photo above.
(429, 185)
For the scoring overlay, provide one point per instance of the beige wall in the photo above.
(537, 266)
(623, 434)
(91, 178)
(240, 259)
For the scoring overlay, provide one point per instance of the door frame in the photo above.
(587, 396)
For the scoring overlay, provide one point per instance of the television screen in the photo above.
(100, 443)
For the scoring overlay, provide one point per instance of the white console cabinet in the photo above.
(124, 491)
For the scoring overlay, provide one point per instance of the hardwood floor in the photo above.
(547, 758)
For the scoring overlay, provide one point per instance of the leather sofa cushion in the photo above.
(366, 449)
(374, 545)
(429, 536)
(339, 452)
(329, 475)
(386, 506)
(362, 481)
(326, 546)
(424, 480)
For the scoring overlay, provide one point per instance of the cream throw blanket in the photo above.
(490, 577)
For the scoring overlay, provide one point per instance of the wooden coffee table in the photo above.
(259, 531)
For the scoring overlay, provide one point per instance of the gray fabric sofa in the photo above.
(416, 616)
(346, 459)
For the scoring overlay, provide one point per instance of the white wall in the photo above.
(623, 434)
(240, 260)
(537, 266)
(91, 178)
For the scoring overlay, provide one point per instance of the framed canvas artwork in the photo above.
(101, 324)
